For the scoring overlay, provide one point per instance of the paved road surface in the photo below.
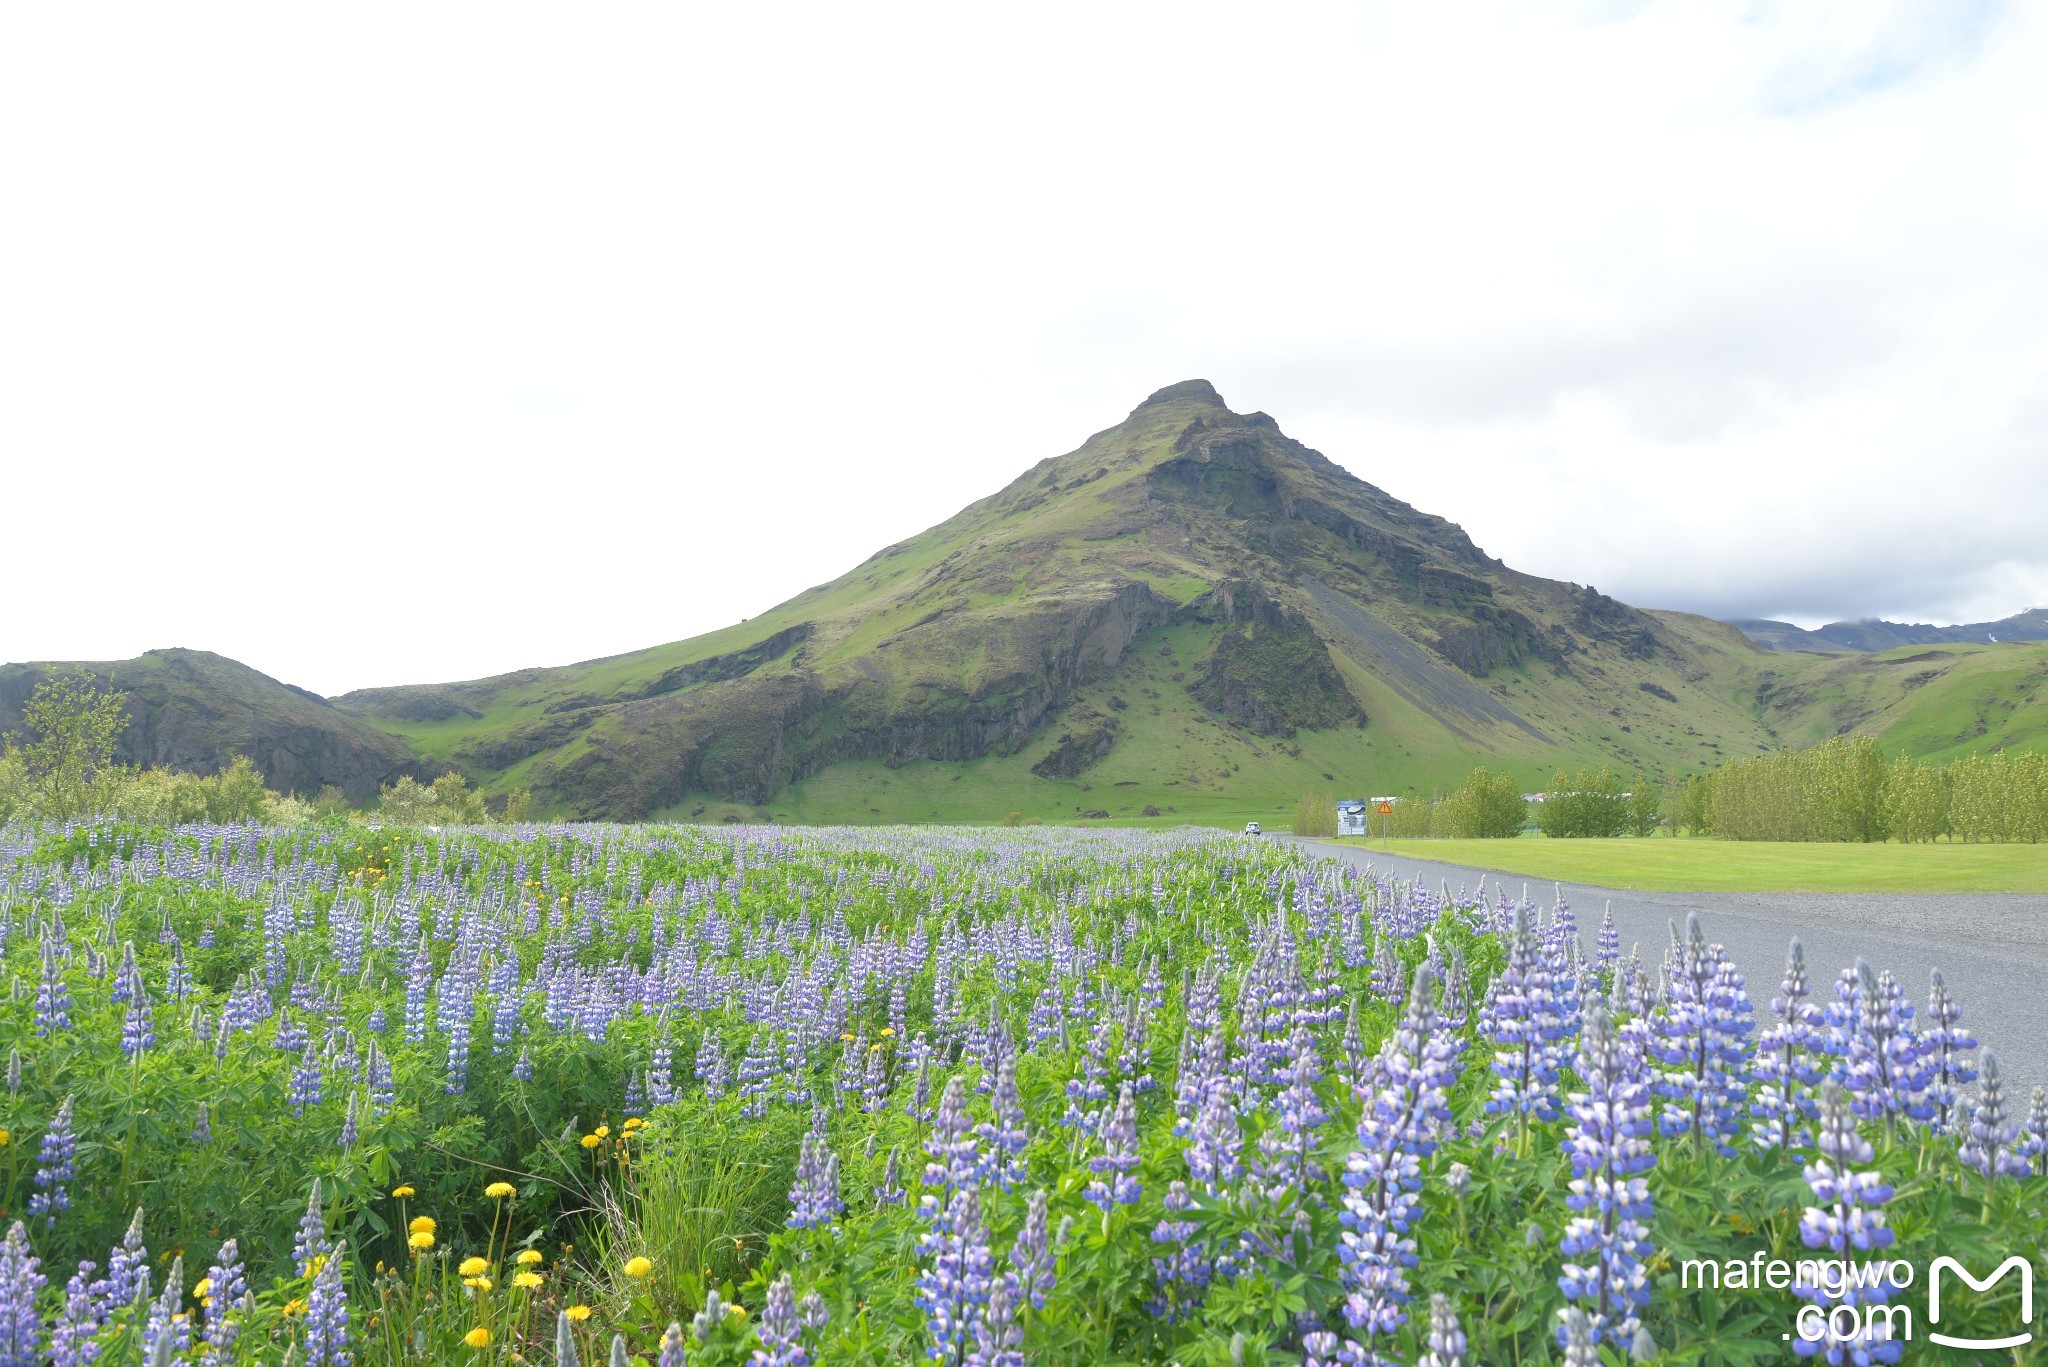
(1991, 948)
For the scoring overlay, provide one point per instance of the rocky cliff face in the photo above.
(194, 711)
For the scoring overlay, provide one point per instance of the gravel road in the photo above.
(1992, 948)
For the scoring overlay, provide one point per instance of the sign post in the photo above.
(1386, 822)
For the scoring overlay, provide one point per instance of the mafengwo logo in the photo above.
(2015, 1263)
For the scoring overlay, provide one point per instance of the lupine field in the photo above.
(341, 1094)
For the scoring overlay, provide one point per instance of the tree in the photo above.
(1645, 806)
(68, 760)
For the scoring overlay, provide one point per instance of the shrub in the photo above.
(1315, 814)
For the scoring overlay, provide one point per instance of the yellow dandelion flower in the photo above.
(402, 1192)
(578, 1313)
(421, 1241)
(313, 1268)
(634, 1123)
(478, 1337)
(295, 1307)
(422, 1224)
(603, 1132)
(888, 1032)
(526, 1280)
(6, 1138)
(473, 1267)
(875, 1048)
(846, 1038)
(591, 1141)
(739, 1311)
(204, 1285)
(498, 1191)
(477, 1283)
(638, 1267)
(529, 1256)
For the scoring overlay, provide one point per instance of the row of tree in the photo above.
(1844, 789)
(62, 767)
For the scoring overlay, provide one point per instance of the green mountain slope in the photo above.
(1189, 617)
(193, 710)
(1190, 611)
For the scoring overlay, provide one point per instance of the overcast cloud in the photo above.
(388, 343)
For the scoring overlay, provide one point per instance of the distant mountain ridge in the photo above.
(1191, 615)
(1872, 634)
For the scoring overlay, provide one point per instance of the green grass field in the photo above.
(1688, 865)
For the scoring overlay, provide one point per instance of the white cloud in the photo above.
(398, 343)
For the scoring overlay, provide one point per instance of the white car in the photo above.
(1252, 828)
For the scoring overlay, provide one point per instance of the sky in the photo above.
(391, 343)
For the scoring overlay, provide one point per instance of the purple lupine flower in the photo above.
(375, 1023)
(1849, 1215)
(1575, 1335)
(53, 996)
(955, 1152)
(1885, 1068)
(1321, 1348)
(79, 1323)
(780, 1329)
(21, 1327)
(1113, 1184)
(1945, 1041)
(225, 1288)
(1607, 946)
(2033, 1142)
(56, 1165)
(1032, 1256)
(327, 1315)
(306, 1082)
(1786, 1066)
(956, 1277)
(165, 1320)
(349, 1127)
(1703, 1035)
(1447, 1343)
(1606, 1243)
(661, 1086)
(522, 1067)
(1088, 1089)
(814, 1194)
(127, 1279)
(1006, 1134)
(889, 1191)
(1181, 1272)
(311, 1242)
(1521, 1019)
(673, 1353)
(1383, 1174)
(998, 1337)
(1990, 1145)
(1289, 1143)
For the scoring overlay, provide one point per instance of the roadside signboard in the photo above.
(1351, 818)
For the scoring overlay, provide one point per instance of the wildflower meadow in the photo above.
(333, 1093)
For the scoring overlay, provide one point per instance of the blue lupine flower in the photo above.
(56, 1165)
(955, 1274)
(1702, 1034)
(1945, 1042)
(1606, 1242)
(1849, 1216)
(53, 996)
(20, 1279)
(814, 1194)
(1006, 1134)
(1521, 1018)
(226, 1286)
(79, 1323)
(2033, 1142)
(1181, 1271)
(955, 1152)
(1990, 1145)
(1032, 1256)
(311, 1241)
(327, 1316)
(780, 1328)
(165, 1319)
(1384, 1173)
(1113, 1184)
(1447, 1343)
(1786, 1065)
(1885, 1063)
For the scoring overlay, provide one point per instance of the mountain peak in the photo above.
(1199, 390)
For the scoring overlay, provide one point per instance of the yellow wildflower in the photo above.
(738, 1310)
(591, 1141)
(888, 1032)
(204, 1285)
(529, 1256)
(402, 1192)
(421, 1241)
(295, 1307)
(526, 1280)
(498, 1191)
(478, 1337)
(473, 1267)
(638, 1267)
(578, 1313)
(477, 1283)
(603, 1132)
(423, 1224)
(634, 1123)
(6, 1138)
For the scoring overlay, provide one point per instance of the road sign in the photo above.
(1386, 809)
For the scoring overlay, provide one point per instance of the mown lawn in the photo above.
(1666, 864)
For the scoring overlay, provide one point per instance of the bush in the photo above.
(1587, 805)
(447, 801)
(1487, 807)
(1315, 814)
